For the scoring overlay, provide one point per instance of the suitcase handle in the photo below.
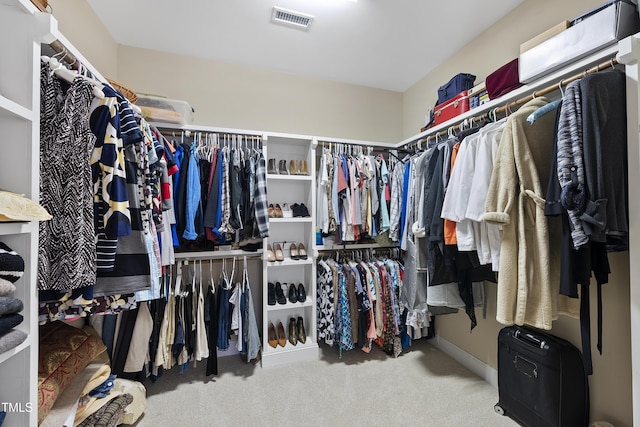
(530, 339)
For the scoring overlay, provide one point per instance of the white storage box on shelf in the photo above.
(165, 110)
(594, 30)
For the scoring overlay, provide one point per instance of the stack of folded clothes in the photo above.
(11, 269)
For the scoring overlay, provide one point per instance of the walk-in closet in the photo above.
(207, 219)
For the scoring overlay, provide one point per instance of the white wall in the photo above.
(78, 23)
(242, 97)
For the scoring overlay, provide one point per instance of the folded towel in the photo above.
(11, 264)
(9, 321)
(6, 287)
(11, 339)
(10, 305)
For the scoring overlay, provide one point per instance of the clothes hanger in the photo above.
(63, 73)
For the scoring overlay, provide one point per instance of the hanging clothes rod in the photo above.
(68, 57)
(511, 106)
(218, 255)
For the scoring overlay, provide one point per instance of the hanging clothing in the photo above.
(528, 280)
(67, 249)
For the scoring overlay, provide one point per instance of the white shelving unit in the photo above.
(19, 171)
(285, 231)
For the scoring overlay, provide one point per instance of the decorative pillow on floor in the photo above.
(63, 352)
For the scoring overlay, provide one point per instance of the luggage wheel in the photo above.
(499, 409)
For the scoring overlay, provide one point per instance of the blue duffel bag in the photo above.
(457, 84)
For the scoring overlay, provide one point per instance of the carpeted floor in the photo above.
(422, 387)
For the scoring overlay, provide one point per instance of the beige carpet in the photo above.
(423, 387)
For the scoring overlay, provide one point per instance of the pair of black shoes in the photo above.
(275, 294)
(296, 331)
(297, 294)
(300, 210)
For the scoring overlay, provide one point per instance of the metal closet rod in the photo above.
(511, 106)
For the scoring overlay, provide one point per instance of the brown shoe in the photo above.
(277, 211)
(304, 168)
(273, 339)
(282, 339)
(293, 167)
(271, 211)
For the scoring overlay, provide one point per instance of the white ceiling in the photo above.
(386, 44)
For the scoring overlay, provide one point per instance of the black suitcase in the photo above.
(541, 379)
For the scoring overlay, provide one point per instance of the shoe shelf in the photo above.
(290, 262)
(291, 305)
(291, 220)
(292, 348)
(288, 189)
(289, 177)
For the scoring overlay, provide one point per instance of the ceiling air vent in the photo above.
(290, 18)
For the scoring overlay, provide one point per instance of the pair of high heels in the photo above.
(298, 252)
(274, 211)
(296, 331)
(276, 335)
(295, 167)
(276, 255)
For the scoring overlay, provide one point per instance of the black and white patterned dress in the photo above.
(67, 250)
(325, 303)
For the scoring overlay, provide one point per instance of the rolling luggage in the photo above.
(541, 379)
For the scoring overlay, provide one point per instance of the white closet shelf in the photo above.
(11, 108)
(291, 305)
(290, 220)
(216, 254)
(556, 76)
(7, 228)
(289, 262)
(289, 177)
(17, 349)
(290, 347)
